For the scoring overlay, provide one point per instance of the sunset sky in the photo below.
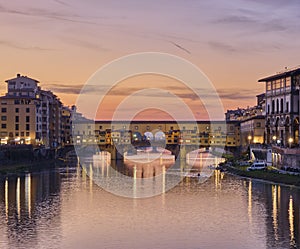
(63, 42)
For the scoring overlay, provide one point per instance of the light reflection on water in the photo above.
(63, 208)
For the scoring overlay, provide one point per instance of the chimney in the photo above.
(18, 75)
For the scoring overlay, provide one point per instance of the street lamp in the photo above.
(274, 139)
(249, 138)
(291, 141)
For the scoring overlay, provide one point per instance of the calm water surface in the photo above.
(63, 208)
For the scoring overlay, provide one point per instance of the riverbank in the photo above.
(22, 167)
(266, 175)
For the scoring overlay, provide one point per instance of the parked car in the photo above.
(258, 165)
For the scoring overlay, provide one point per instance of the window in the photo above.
(281, 105)
(17, 101)
(17, 134)
(17, 110)
(17, 127)
(258, 124)
(273, 106)
(27, 134)
(268, 111)
(287, 106)
(100, 127)
(288, 82)
(27, 127)
(3, 126)
(277, 106)
(27, 119)
(17, 119)
(27, 110)
(22, 134)
(3, 109)
(3, 118)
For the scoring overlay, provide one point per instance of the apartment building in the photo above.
(30, 115)
(282, 107)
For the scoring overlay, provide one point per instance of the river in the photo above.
(64, 208)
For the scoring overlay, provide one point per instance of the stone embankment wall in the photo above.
(291, 160)
(23, 153)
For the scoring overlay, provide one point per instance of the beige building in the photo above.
(252, 131)
(30, 115)
(18, 120)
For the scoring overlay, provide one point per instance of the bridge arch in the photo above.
(159, 136)
(136, 136)
(148, 136)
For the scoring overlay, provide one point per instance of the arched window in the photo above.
(273, 106)
(281, 105)
(277, 106)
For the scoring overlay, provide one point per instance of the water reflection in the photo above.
(63, 208)
(291, 223)
(30, 201)
(276, 205)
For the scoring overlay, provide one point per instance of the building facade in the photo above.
(282, 108)
(202, 133)
(250, 122)
(252, 131)
(30, 115)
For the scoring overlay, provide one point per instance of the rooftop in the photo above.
(19, 76)
(286, 73)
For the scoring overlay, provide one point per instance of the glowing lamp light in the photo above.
(291, 140)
